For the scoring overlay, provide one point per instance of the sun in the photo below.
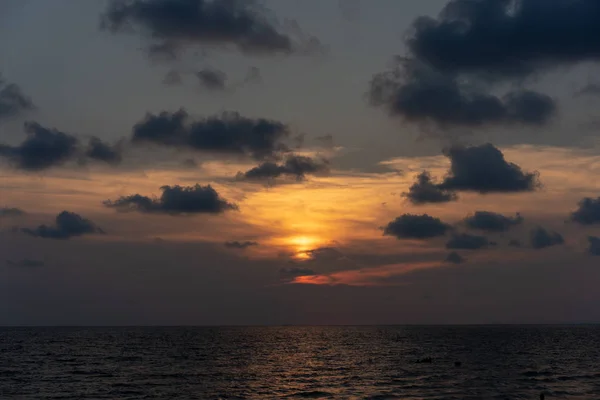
(301, 245)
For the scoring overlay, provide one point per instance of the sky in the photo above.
(238, 162)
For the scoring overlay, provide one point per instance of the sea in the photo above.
(310, 362)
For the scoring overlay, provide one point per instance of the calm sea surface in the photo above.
(300, 362)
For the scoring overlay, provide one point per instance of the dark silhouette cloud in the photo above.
(410, 226)
(43, 148)
(228, 133)
(588, 212)
(294, 166)
(212, 79)
(424, 95)
(240, 245)
(11, 212)
(67, 225)
(455, 258)
(502, 39)
(296, 271)
(467, 242)
(424, 191)
(491, 221)
(175, 200)
(592, 89)
(101, 151)
(25, 263)
(515, 243)
(12, 100)
(483, 169)
(173, 26)
(542, 238)
(594, 248)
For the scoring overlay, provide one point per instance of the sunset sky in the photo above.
(211, 162)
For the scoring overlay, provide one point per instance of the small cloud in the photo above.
(172, 78)
(12, 100)
(594, 248)
(542, 238)
(240, 245)
(190, 163)
(483, 169)
(588, 212)
(98, 150)
(515, 243)
(294, 166)
(296, 271)
(466, 241)
(212, 79)
(455, 258)
(67, 225)
(175, 200)
(11, 212)
(25, 263)
(492, 222)
(424, 191)
(410, 226)
(592, 89)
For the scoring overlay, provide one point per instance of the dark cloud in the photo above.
(11, 212)
(212, 79)
(175, 200)
(588, 212)
(101, 151)
(325, 254)
(594, 247)
(483, 169)
(12, 100)
(172, 78)
(67, 225)
(43, 148)
(503, 39)
(240, 245)
(515, 243)
(592, 89)
(296, 271)
(190, 163)
(491, 221)
(455, 258)
(424, 95)
(542, 238)
(410, 226)
(228, 133)
(424, 191)
(467, 242)
(25, 263)
(173, 26)
(294, 166)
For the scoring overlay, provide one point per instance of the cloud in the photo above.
(410, 226)
(592, 89)
(491, 221)
(67, 225)
(171, 27)
(455, 258)
(594, 248)
(12, 100)
(542, 238)
(588, 212)
(296, 271)
(515, 243)
(424, 191)
(175, 200)
(424, 95)
(504, 40)
(483, 169)
(25, 263)
(240, 245)
(11, 212)
(228, 133)
(294, 166)
(43, 148)
(467, 242)
(98, 150)
(212, 79)
(172, 78)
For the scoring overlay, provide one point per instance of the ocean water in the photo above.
(503, 362)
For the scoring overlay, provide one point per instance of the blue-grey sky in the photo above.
(329, 228)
